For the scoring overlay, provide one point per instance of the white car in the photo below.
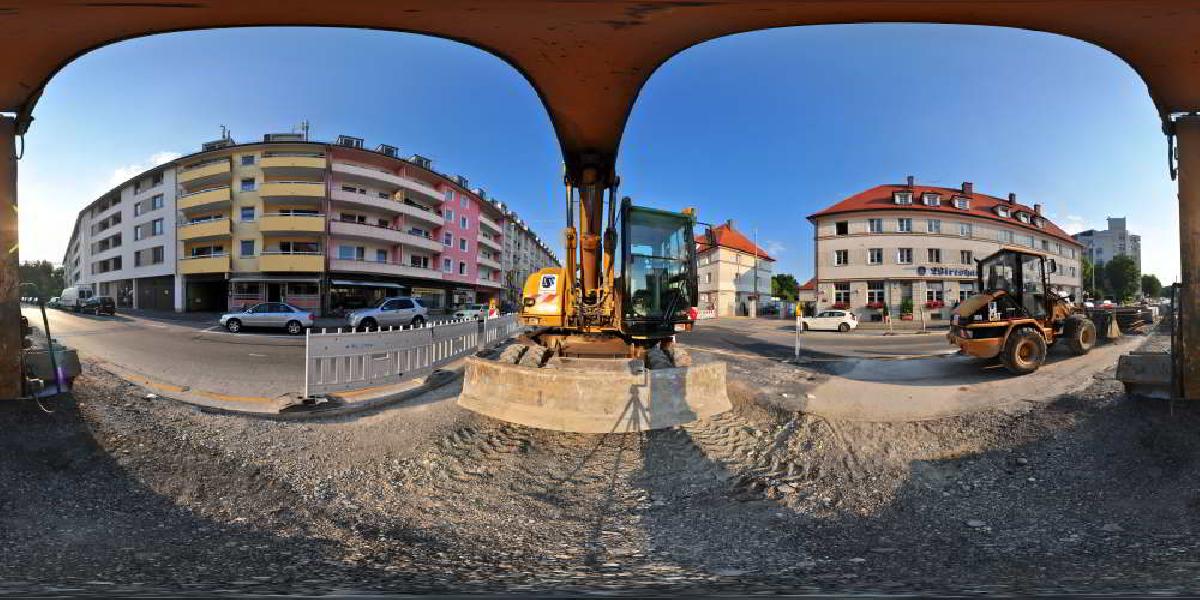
(398, 311)
(471, 311)
(274, 315)
(830, 320)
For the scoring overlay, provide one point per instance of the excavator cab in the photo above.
(658, 270)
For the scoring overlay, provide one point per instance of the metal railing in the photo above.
(348, 360)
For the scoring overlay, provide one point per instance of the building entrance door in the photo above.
(274, 292)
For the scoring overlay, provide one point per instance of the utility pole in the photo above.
(755, 302)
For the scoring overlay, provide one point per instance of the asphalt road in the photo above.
(776, 338)
(184, 353)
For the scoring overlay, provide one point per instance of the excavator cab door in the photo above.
(658, 269)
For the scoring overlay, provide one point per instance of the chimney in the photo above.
(968, 188)
(1012, 198)
(729, 223)
(910, 181)
(1037, 209)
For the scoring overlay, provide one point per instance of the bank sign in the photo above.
(944, 272)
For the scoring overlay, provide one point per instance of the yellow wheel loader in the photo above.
(601, 356)
(1017, 316)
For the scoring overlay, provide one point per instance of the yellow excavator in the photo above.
(600, 356)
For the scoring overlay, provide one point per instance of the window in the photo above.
(137, 258)
(904, 256)
(384, 223)
(247, 247)
(137, 208)
(448, 239)
(841, 293)
(1006, 236)
(1002, 211)
(1023, 217)
(902, 197)
(449, 195)
(875, 225)
(156, 202)
(353, 218)
(875, 292)
(1046, 245)
(935, 292)
(381, 255)
(156, 179)
(964, 229)
(934, 255)
(137, 233)
(931, 199)
(354, 189)
(966, 289)
(966, 257)
(300, 247)
(449, 215)
(351, 252)
(418, 261)
(156, 227)
(247, 214)
(841, 228)
(933, 226)
(156, 255)
(247, 160)
(303, 289)
(447, 265)
(1058, 248)
(962, 203)
(116, 263)
(874, 256)
(199, 251)
(841, 257)
(708, 278)
(462, 200)
(247, 184)
(462, 268)
(904, 225)
(463, 223)
(462, 244)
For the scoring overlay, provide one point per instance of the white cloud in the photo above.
(120, 174)
(1073, 224)
(774, 248)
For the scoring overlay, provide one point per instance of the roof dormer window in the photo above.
(931, 199)
(962, 203)
(1023, 217)
(1002, 211)
(1040, 222)
(902, 197)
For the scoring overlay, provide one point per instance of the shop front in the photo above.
(346, 295)
(247, 291)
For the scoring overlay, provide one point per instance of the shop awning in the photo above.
(376, 284)
(274, 278)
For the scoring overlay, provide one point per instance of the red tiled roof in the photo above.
(811, 284)
(981, 206)
(728, 237)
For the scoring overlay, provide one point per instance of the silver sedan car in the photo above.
(272, 315)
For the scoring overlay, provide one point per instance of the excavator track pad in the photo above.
(592, 395)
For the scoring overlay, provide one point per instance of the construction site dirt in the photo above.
(117, 493)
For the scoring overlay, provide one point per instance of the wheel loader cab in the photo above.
(658, 271)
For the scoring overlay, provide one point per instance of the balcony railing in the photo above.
(490, 224)
(276, 222)
(205, 263)
(377, 267)
(281, 261)
(204, 198)
(491, 243)
(298, 163)
(213, 227)
(292, 189)
(204, 171)
(488, 282)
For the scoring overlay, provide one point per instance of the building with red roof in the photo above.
(912, 247)
(727, 271)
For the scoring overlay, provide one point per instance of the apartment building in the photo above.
(324, 226)
(123, 243)
(909, 245)
(728, 270)
(1100, 246)
(524, 254)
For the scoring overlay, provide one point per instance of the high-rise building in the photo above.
(524, 254)
(1100, 246)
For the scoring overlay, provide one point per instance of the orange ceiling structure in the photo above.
(588, 59)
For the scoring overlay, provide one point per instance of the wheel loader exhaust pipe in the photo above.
(594, 395)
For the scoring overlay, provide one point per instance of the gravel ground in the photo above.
(115, 493)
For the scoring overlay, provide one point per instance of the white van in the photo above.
(72, 298)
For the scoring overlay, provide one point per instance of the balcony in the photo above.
(366, 200)
(371, 175)
(490, 224)
(303, 192)
(417, 241)
(382, 268)
(420, 215)
(206, 199)
(194, 265)
(293, 165)
(305, 262)
(208, 229)
(425, 190)
(487, 262)
(489, 242)
(277, 223)
(365, 231)
(488, 282)
(205, 173)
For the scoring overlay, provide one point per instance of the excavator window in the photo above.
(658, 271)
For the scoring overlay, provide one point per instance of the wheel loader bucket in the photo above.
(594, 395)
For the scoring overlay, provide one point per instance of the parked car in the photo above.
(72, 298)
(54, 302)
(471, 311)
(269, 315)
(99, 305)
(396, 311)
(830, 320)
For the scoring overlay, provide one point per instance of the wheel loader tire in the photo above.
(512, 354)
(1024, 351)
(1080, 333)
(657, 359)
(534, 356)
(680, 357)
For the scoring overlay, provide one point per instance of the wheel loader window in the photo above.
(658, 269)
(1033, 286)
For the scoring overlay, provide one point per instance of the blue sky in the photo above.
(764, 128)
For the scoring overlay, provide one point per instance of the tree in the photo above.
(785, 287)
(1093, 279)
(44, 276)
(1151, 286)
(1122, 277)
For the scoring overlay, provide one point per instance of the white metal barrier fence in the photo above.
(347, 360)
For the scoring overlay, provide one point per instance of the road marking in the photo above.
(258, 355)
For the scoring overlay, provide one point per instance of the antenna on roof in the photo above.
(303, 127)
(225, 132)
